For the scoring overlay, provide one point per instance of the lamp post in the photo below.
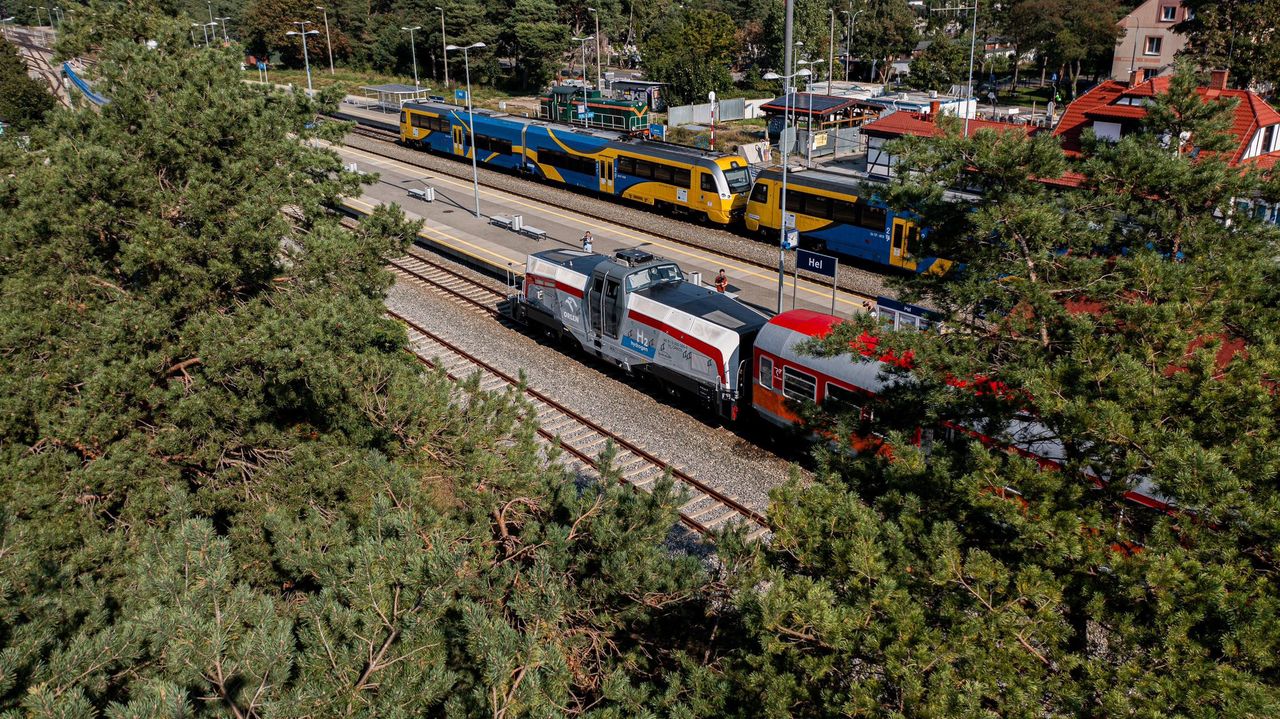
(584, 41)
(848, 39)
(194, 25)
(414, 52)
(205, 30)
(599, 77)
(213, 32)
(782, 197)
(210, 4)
(224, 20)
(328, 43)
(808, 124)
(471, 117)
(831, 51)
(306, 58)
(444, 47)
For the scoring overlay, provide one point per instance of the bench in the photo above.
(501, 221)
(533, 232)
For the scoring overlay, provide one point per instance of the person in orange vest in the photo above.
(722, 282)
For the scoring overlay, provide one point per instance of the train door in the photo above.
(459, 144)
(905, 235)
(595, 307)
(605, 169)
(612, 304)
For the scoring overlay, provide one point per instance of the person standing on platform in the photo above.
(586, 241)
(722, 281)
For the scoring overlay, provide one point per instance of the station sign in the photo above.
(658, 131)
(817, 263)
(460, 96)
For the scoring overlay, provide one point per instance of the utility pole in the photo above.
(973, 48)
(831, 50)
(327, 41)
(444, 47)
(599, 76)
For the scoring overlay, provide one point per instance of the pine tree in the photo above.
(1136, 327)
(24, 101)
(226, 488)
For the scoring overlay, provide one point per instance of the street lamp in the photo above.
(808, 123)
(444, 47)
(849, 37)
(584, 41)
(831, 51)
(303, 32)
(203, 28)
(471, 117)
(194, 25)
(210, 4)
(782, 198)
(213, 32)
(414, 51)
(224, 20)
(326, 36)
(599, 77)
(973, 46)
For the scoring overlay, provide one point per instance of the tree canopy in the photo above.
(227, 490)
(1136, 330)
(23, 99)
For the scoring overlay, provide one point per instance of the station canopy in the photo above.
(394, 95)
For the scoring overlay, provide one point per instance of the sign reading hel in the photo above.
(816, 263)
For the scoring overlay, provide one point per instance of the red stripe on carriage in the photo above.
(705, 348)
(549, 282)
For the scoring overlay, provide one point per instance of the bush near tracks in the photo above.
(225, 487)
(23, 99)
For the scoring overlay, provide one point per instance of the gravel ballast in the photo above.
(713, 454)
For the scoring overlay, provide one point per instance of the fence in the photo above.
(734, 109)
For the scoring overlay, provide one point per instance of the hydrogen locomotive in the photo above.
(637, 311)
(828, 210)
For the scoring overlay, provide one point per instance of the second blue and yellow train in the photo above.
(831, 212)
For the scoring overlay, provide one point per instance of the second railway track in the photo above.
(864, 284)
(582, 438)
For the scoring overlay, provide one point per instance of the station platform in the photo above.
(450, 224)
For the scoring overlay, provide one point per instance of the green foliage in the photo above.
(943, 64)
(691, 53)
(1075, 35)
(1238, 35)
(227, 490)
(24, 101)
(968, 582)
(536, 41)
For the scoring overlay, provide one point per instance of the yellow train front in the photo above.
(663, 176)
(832, 213)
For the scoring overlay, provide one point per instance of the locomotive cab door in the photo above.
(605, 307)
(459, 144)
(904, 237)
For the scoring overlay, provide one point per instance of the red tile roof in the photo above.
(1266, 162)
(1100, 103)
(922, 124)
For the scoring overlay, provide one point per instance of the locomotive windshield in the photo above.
(652, 276)
(739, 179)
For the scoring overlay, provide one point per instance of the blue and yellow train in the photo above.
(833, 213)
(666, 177)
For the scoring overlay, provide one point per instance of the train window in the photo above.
(681, 177)
(709, 182)
(404, 116)
(873, 218)
(844, 401)
(799, 386)
(739, 179)
(795, 202)
(644, 170)
(662, 173)
(555, 158)
(493, 144)
(626, 165)
(816, 206)
(845, 212)
(760, 193)
(766, 371)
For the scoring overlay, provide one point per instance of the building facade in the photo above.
(1148, 42)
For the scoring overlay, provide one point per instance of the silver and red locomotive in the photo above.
(638, 311)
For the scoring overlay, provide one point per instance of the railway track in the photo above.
(565, 203)
(580, 437)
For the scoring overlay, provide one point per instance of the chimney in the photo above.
(934, 107)
(1135, 78)
(1218, 80)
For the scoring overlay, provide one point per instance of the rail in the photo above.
(706, 500)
